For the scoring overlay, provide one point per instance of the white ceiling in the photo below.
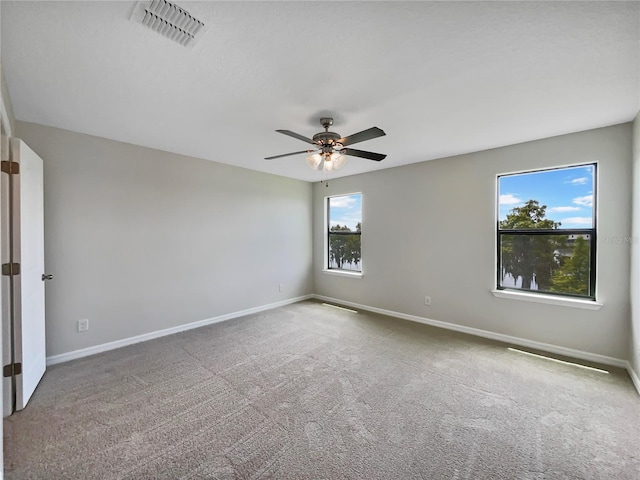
(441, 78)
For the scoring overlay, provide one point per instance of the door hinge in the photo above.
(12, 168)
(10, 269)
(12, 369)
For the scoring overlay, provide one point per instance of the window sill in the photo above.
(548, 299)
(343, 273)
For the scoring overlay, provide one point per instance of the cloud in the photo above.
(345, 201)
(586, 201)
(563, 209)
(509, 199)
(578, 181)
(576, 221)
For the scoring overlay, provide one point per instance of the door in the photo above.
(27, 289)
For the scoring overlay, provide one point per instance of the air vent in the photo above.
(169, 20)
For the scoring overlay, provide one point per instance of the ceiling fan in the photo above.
(330, 148)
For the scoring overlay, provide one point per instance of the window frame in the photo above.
(534, 295)
(328, 232)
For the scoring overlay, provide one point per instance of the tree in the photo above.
(353, 246)
(573, 275)
(338, 245)
(344, 248)
(530, 256)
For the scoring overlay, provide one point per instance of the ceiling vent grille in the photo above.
(169, 20)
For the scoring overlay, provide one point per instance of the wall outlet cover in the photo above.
(83, 325)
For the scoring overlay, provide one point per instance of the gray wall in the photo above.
(429, 229)
(6, 107)
(634, 338)
(141, 240)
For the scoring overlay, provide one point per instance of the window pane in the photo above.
(344, 252)
(546, 263)
(344, 229)
(558, 205)
(558, 198)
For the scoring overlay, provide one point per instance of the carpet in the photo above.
(308, 391)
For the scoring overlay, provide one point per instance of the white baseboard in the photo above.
(523, 342)
(634, 377)
(569, 352)
(104, 347)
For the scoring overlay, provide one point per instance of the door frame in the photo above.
(5, 133)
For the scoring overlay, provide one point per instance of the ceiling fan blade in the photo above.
(297, 135)
(362, 154)
(287, 154)
(373, 132)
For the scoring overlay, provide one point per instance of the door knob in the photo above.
(47, 277)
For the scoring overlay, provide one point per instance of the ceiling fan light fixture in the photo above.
(332, 161)
(314, 161)
(337, 160)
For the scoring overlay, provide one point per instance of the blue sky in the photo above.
(346, 210)
(567, 193)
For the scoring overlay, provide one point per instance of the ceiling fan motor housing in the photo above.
(326, 139)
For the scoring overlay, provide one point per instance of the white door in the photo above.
(28, 288)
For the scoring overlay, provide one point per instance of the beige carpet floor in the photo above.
(308, 391)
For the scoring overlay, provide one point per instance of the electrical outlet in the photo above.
(83, 325)
(427, 300)
(281, 287)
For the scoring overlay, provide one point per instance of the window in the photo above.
(344, 230)
(547, 231)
